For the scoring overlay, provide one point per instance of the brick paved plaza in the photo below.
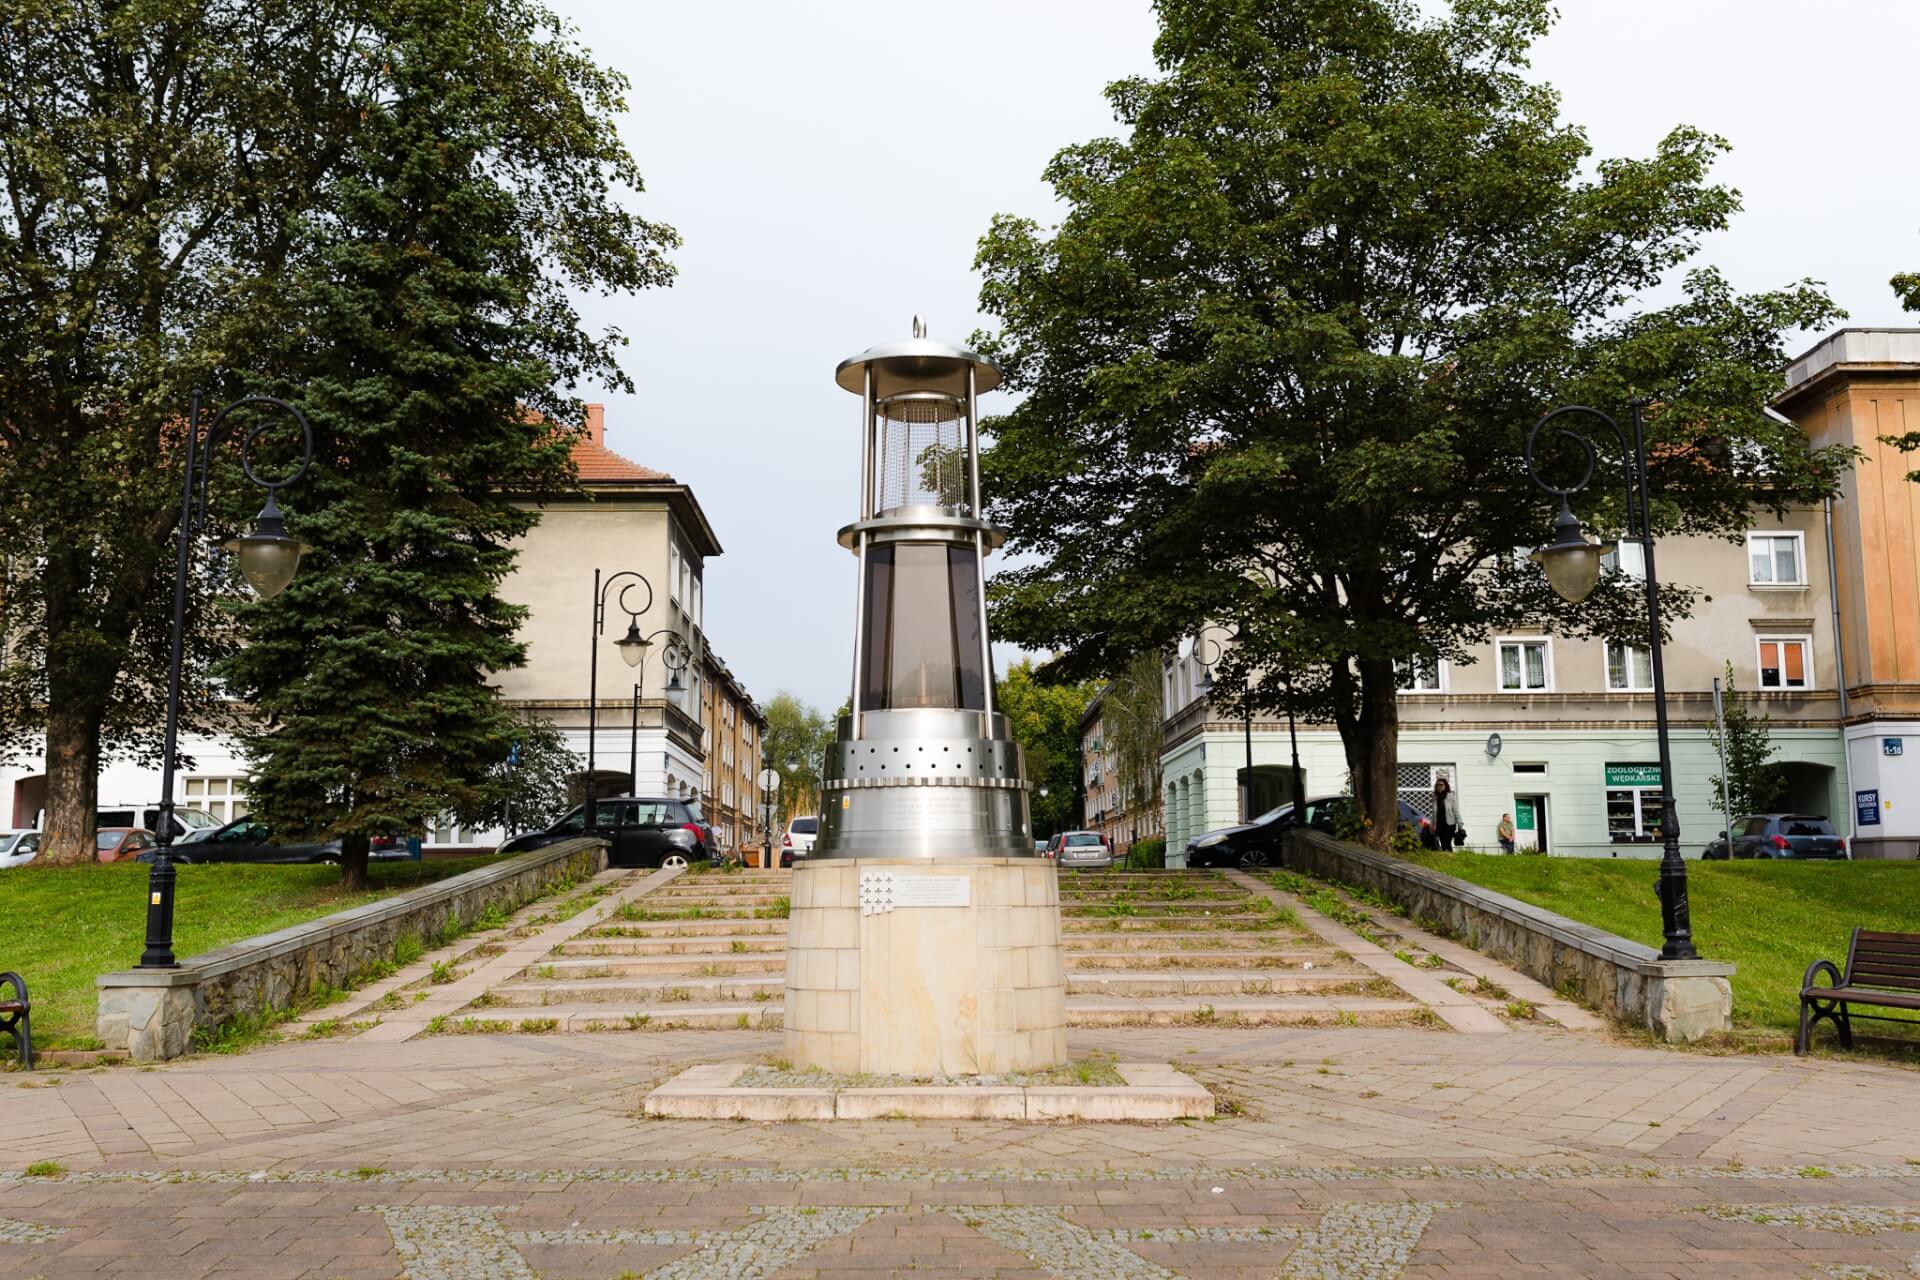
(1453, 1146)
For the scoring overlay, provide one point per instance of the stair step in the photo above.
(639, 991)
(1144, 960)
(698, 965)
(687, 928)
(1247, 923)
(1243, 983)
(1097, 1011)
(714, 944)
(600, 1017)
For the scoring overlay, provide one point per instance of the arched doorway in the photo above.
(607, 782)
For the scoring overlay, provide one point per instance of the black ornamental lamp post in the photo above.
(1572, 566)
(677, 655)
(267, 558)
(633, 649)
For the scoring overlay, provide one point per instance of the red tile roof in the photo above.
(600, 465)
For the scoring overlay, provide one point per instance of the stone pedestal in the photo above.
(894, 988)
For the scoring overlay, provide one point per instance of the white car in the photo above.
(798, 842)
(17, 848)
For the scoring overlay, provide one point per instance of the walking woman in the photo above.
(1446, 813)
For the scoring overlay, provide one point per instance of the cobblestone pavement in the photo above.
(1354, 1152)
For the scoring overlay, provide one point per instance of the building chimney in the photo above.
(597, 424)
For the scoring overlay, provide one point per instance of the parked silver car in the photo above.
(18, 848)
(1082, 850)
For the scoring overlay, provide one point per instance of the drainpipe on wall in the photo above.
(1840, 675)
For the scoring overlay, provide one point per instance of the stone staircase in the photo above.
(1154, 948)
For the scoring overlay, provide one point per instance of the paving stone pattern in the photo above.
(1349, 1150)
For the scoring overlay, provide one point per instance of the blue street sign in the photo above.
(1866, 808)
(513, 753)
(1892, 746)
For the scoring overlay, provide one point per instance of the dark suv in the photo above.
(1259, 843)
(1778, 835)
(641, 831)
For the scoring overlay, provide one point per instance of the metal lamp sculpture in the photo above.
(924, 766)
(902, 953)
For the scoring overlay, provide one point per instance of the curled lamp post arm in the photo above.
(1571, 564)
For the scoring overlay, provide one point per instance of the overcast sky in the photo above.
(832, 165)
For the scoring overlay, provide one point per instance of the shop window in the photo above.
(1633, 803)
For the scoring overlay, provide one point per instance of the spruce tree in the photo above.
(432, 322)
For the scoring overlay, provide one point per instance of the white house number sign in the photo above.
(885, 890)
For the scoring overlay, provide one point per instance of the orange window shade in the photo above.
(1796, 655)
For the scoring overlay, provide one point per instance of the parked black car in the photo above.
(642, 831)
(249, 840)
(1779, 835)
(1259, 843)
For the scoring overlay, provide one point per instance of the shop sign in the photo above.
(1633, 775)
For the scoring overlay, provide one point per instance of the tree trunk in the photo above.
(73, 785)
(1379, 794)
(353, 860)
(1372, 743)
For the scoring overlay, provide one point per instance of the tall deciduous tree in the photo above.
(1132, 723)
(796, 738)
(1281, 354)
(1045, 720)
(151, 155)
(430, 323)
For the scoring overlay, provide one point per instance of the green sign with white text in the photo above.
(1633, 775)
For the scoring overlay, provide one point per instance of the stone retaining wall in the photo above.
(151, 1014)
(1678, 1000)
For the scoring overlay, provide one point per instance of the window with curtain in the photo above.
(1785, 662)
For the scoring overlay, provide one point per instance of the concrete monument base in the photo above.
(1150, 1091)
(916, 967)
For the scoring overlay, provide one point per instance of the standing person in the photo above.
(1446, 813)
(1506, 833)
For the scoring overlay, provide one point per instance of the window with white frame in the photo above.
(1421, 675)
(1776, 560)
(224, 798)
(1526, 666)
(673, 570)
(1786, 662)
(1629, 558)
(1629, 668)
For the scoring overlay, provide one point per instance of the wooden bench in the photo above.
(1883, 971)
(16, 1016)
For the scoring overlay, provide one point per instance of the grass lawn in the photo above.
(1772, 919)
(67, 925)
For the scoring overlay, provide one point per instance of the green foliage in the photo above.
(795, 738)
(1279, 358)
(1147, 854)
(1131, 718)
(427, 323)
(533, 793)
(1045, 720)
(303, 196)
(1754, 782)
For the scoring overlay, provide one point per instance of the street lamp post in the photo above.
(267, 558)
(633, 651)
(1572, 566)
